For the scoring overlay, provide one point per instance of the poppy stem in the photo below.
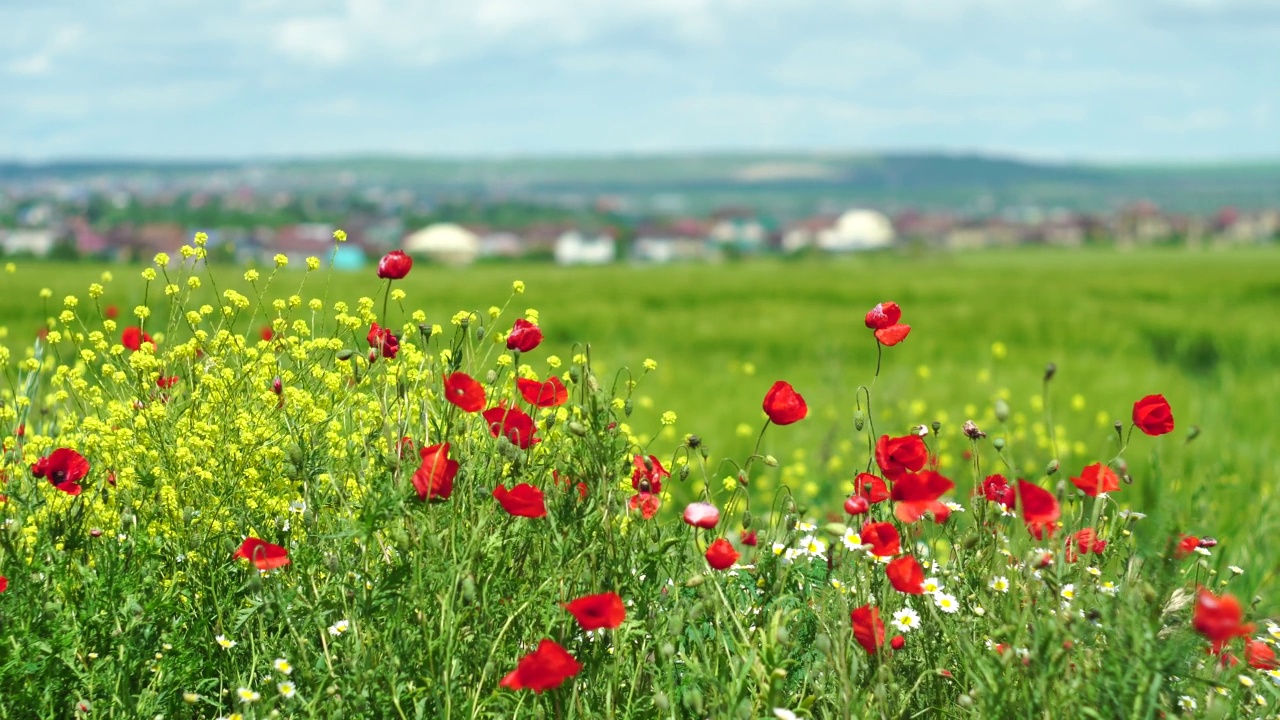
(386, 296)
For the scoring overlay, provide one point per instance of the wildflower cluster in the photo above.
(414, 520)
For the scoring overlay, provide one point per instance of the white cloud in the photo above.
(63, 41)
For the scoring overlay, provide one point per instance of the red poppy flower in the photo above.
(750, 538)
(112, 312)
(721, 555)
(867, 628)
(857, 505)
(883, 315)
(434, 477)
(384, 341)
(266, 333)
(4, 583)
(900, 456)
(917, 493)
(882, 537)
(1153, 415)
(784, 405)
(64, 468)
(906, 575)
(394, 265)
(543, 394)
(1097, 478)
(1259, 655)
(898, 642)
(523, 500)
(1087, 541)
(543, 669)
(647, 503)
(1187, 544)
(871, 487)
(524, 336)
(1040, 510)
(464, 391)
(893, 334)
(512, 423)
(648, 474)
(262, 554)
(701, 514)
(996, 489)
(166, 382)
(133, 337)
(1219, 619)
(598, 611)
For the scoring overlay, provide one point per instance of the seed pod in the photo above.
(937, 426)
(859, 420)
(998, 444)
(425, 331)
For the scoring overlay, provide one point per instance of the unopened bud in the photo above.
(1049, 371)
(276, 386)
(574, 375)
(971, 430)
(480, 333)
(1053, 467)
(936, 426)
(1193, 433)
(468, 589)
(835, 529)
(1002, 410)
(627, 407)
(660, 700)
(859, 420)
(693, 442)
(465, 321)
(771, 461)
(998, 444)
(746, 519)
(695, 581)
(578, 429)
(743, 479)
(684, 472)
(345, 354)
(780, 673)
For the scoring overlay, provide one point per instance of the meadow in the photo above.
(443, 595)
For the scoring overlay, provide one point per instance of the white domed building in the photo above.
(445, 243)
(857, 230)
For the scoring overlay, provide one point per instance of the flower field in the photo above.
(1001, 487)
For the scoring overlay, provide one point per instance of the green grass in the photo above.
(1198, 327)
(443, 599)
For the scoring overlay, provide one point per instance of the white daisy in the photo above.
(813, 546)
(1109, 588)
(1236, 569)
(339, 627)
(1093, 571)
(946, 603)
(805, 527)
(906, 620)
(248, 695)
(224, 642)
(283, 666)
(287, 689)
(931, 586)
(779, 548)
(784, 714)
(1068, 592)
(1245, 680)
(852, 540)
(999, 583)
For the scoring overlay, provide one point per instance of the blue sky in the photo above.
(1109, 80)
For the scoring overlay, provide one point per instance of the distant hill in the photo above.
(788, 184)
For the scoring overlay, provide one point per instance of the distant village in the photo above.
(246, 226)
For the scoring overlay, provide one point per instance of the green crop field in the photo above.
(1198, 327)
(211, 525)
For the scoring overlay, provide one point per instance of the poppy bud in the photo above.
(781, 673)
(660, 700)
(480, 333)
(692, 442)
(693, 700)
(835, 529)
(95, 532)
(684, 472)
(1002, 410)
(468, 589)
(822, 642)
(464, 322)
(1053, 467)
(627, 407)
(574, 375)
(491, 377)
(743, 480)
(276, 386)
(998, 444)
(936, 426)
(964, 701)
(695, 581)
(578, 429)
(859, 420)
(373, 356)
(746, 519)
(345, 354)
(1049, 371)
(857, 504)
(971, 430)
(898, 642)
(771, 461)
(969, 541)
(1193, 433)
